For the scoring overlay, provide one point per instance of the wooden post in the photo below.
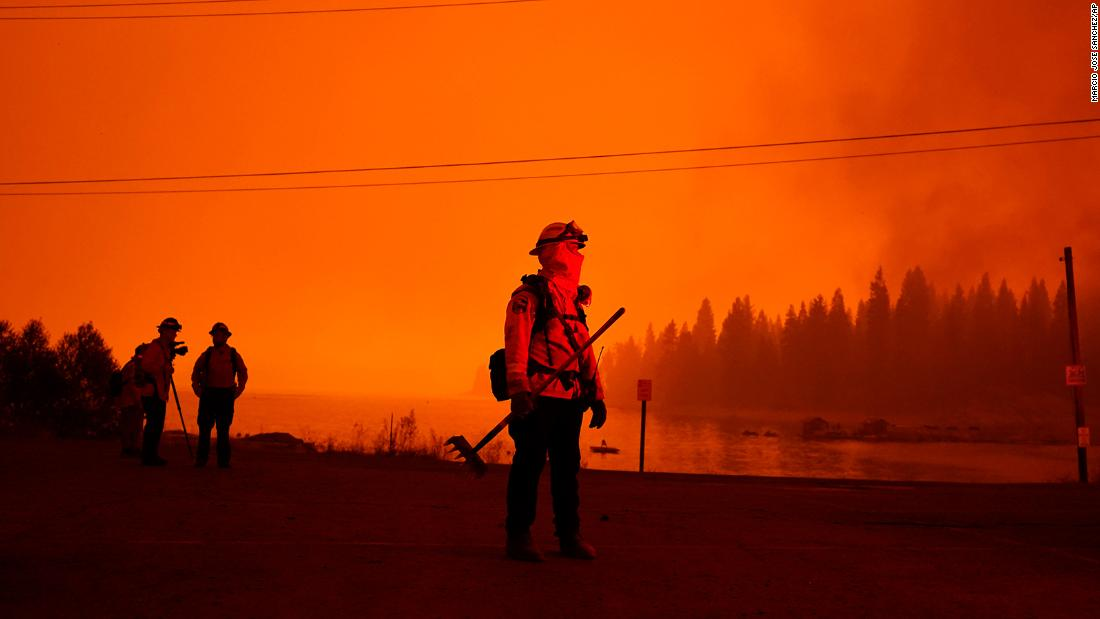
(1075, 359)
(641, 451)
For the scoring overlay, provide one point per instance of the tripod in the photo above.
(186, 438)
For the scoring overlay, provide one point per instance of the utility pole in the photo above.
(645, 393)
(1075, 373)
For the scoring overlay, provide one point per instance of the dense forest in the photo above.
(981, 347)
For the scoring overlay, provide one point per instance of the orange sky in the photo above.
(403, 289)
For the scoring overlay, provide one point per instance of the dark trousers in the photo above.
(129, 427)
(215, 409)
(154, 425)
(553, 428)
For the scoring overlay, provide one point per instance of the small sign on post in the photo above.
(1082, 437)
(1075, 376)
(645, 393)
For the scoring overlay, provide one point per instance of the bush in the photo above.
(402, 438)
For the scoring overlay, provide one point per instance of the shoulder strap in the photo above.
(544, 311)
(232, 359)
(538, 286)
(569, 334)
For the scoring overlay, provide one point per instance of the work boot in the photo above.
(520, 547)
(574, 547)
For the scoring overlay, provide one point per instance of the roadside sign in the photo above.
(1075, 376)
(1082, 437)
(645, 389)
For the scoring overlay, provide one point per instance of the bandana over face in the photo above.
(561, 263)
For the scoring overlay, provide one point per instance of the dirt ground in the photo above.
(285, 533)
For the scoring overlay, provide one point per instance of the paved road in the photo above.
(85, 533)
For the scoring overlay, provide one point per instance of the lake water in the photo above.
(674, 442)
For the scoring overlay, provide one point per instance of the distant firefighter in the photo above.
(127, 399)
(545, 323)
(155, 371)
(218, 379)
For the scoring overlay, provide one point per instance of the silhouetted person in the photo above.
(156, 370)
(128, 402)
(545, 324)
(218, 379)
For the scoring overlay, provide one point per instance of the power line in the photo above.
(551, 176)
(426, 166)
(125, 4)
(287, 12)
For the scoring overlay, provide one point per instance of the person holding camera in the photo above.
(156, 368)
(218, 379)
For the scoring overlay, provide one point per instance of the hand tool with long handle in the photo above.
(462, 446)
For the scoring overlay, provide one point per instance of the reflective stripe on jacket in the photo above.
(531, 356)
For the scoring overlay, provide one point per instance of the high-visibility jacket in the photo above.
(533, 351)
(156, 366)
(221, 367)
(131, 393)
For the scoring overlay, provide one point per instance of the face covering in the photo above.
(562, 261)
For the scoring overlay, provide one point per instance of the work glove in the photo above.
(237, 392)
(599, 414)
(197, 389)
(522, 404)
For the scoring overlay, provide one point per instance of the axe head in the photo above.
(466, 452)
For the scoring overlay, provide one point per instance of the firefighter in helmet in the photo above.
(218, 379)
(156, 368)
(544, 325)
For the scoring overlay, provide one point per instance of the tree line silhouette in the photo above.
(979, 347)
(953, 350)
(63, 387)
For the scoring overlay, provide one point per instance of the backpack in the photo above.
(539, 286)
(141, 378)
(130, 372)
(498, 379)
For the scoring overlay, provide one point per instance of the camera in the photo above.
(178, 349)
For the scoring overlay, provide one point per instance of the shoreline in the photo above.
(282, 442)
